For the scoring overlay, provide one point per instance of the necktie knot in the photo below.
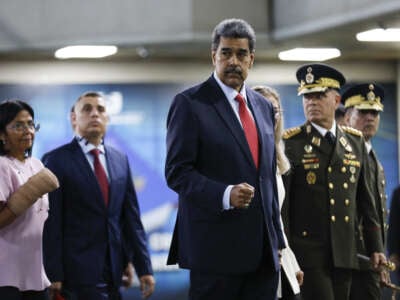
(239, 98)
(95, 152)
(330, 137)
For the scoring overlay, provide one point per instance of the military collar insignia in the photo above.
(316, 141)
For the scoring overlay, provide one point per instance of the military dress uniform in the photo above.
(366, 282)
(326, 191)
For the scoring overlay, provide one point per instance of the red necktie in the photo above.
(100, 174)
(249, 128)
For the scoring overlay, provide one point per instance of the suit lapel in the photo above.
(227, 114)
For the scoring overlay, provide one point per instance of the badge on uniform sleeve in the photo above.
(311, 177)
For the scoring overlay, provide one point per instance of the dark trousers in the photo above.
(365, 286)
(12, 293)
(326, 283)
(259, 285)
(95, 292)
(287, 291)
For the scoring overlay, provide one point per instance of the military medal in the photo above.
(311, 177)
(308, 148)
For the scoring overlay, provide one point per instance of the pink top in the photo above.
(21, 255)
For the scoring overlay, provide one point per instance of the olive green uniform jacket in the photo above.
(325, 188)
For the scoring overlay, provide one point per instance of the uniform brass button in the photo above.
(347, 202)
(333, 218)
(383, 182)
(331, 185)
(332, 201)
(304, 233)
(345, 185)
(346, 219)
(343, 169)
(381, 195)
(329, 169)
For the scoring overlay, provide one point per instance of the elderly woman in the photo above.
(24, 184)
(292, 276)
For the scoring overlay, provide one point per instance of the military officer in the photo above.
(325, 188)
(363, 104)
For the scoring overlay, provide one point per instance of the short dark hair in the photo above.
(86, 94)
(9, 109)
(233, 28)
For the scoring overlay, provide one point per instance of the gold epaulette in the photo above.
(351, 130)
(290, 132)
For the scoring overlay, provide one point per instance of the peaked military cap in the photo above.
(318, 78)
(364, 96)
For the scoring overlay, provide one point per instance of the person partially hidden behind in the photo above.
(24, 184)
(291, 275)
(94, 227)
(363, 104)
(221, 162)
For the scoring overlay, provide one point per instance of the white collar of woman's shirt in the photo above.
(323, 131)
(87, 147)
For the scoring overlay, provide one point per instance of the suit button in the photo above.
(346, 219)
(329, 169)
(333, 218)
(343, 169)
(332, 201)
(347, 202)
(304, 233)
(345, 185)
(330, 185)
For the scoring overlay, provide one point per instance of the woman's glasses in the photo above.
(21, 126)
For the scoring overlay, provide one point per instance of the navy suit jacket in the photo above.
(207, 151)
(80, 227)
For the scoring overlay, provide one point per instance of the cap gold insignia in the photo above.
(309, 76)
(308, 148)
(316, 141)
(371, 94)
(311, 177)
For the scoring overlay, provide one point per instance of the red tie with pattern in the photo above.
(100, 174)
(249, 128)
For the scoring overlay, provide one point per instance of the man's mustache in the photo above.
(234, 70)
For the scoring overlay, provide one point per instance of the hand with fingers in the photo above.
(241, 195)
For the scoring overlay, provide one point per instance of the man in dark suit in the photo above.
(326, 187)
(363, 104)
(221, 162)
(94, 227)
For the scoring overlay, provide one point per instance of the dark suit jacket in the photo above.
(80, 227)
(207, 151)
(325, 189)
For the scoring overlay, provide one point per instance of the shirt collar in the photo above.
(368, 145)
(87, 147)
(229, 92)
(323, 131)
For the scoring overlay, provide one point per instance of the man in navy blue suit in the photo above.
(94, 229)
(221, 162)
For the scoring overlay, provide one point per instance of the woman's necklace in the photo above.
(24, 175)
